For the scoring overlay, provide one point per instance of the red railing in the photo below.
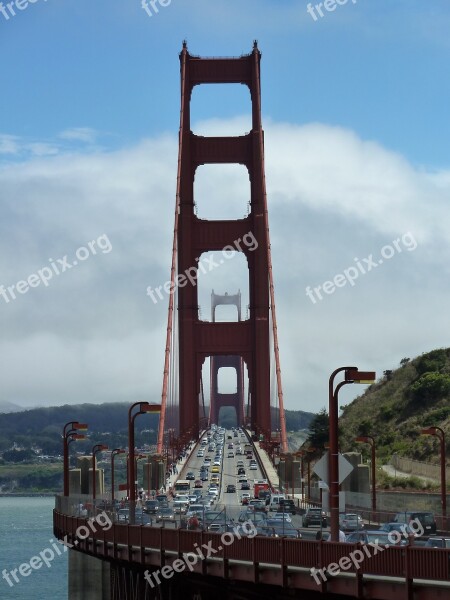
(407, 562)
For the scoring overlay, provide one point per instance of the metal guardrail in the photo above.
(131, 542)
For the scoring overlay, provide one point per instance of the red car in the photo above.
(198, 483)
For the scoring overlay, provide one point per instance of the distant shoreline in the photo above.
(28, 495)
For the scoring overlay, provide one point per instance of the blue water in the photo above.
(26, 531)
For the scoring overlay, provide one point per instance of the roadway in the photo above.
(231, 502)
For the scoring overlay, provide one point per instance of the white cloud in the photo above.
(93, 334)
(80, 134)
(9, 144)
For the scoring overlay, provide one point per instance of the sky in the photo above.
(356, 116)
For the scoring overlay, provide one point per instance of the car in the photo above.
(265, 496)
(165, 514)
(381, 538)
(280, 529)
(213, 491)
(253, 467)
(200, 454)
(403, 528)
(241, 471)
(245, 485)
(214, 516)
(151, 507)
(230, 455)
(198, 483)
(315, 516)
(211, 498)
(250, 515)
(123, 515)
(204, 476)
(242, 479)
(162, 498)
(238, 451)
(281, 516)
(286, 505)
(207, 462)
(215, 469)
(437, 542)
(230, 446)
(180, 507)
(426, 519)
(190, 476)
(240, 463)
(192, 498)
(350, 522)
(217, 463)
(231, 489)
(258, 505)
(140, 517)
(215, 479)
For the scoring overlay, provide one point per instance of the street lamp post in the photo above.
(352, 375)
(95, 449)
(144, 407)
(439, 433)
(302, 474)
(310, 450)
(69, 428)
(114, 453)
(368, 439)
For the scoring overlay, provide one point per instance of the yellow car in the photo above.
(215, 469)
(215, 479)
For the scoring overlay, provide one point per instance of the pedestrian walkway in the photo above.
(393, 472)
(272, 475)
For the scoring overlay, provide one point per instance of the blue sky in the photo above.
(355, 110)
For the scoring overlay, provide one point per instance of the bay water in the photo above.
(26, 531)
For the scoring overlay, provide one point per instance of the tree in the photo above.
(319, 430)
(430, 387)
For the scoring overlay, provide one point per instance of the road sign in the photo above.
(321, 468)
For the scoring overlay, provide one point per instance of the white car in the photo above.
(245, 495)
(217, 463)
(200, 454)
(281, 516)
(253, 467)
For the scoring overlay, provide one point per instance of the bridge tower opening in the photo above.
(219, 399)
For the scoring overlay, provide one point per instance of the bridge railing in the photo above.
(128, 542)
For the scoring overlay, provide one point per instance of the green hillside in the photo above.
(396, 408)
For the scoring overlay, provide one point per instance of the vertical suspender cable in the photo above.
(284, 446)
(173, 266)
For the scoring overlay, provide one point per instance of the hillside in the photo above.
(396, 408)
(108, 423)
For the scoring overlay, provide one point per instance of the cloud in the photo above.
(94, 335)
(79, 134)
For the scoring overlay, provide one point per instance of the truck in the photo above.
(260, 485)
(248, 451)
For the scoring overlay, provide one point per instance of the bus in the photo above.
(182, 486)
